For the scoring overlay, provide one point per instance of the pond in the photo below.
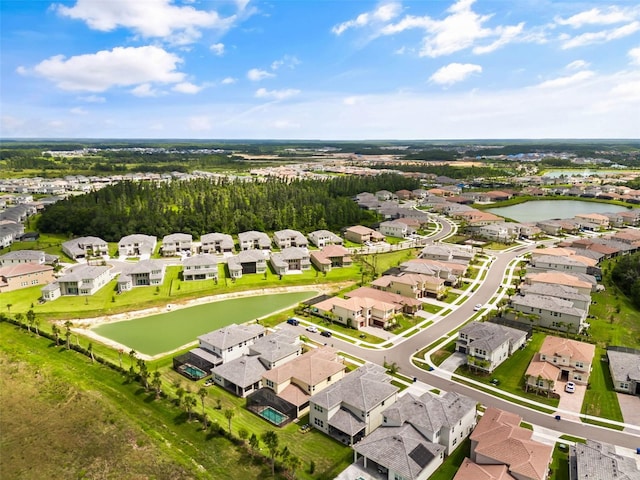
(539, 210)
(167, 331)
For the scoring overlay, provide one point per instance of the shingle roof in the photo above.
(492, 334)
(232, 335)
(200, 260)
(276, 346)
(83, 272)
(596, 460)
(624, 366)
(545, 302)
(243, 371)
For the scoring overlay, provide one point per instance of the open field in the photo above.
(167, 331)
(600, 399)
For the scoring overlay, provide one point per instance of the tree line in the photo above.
(626, 276)
(201, 206)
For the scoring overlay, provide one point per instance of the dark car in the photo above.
(293, 321)
(326, 333)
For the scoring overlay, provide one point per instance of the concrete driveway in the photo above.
(630, 407)
(570, 401)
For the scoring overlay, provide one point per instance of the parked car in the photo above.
(570, 387)
(326, 333)
(209, 382)
(293, 321)
(312, 329)
(477, 307)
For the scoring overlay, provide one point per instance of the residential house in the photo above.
(322, 238)
(496, 232)
(331, 256)
(289, 238)
(85, 247)
(487, 344)
(569, 264)
(231, 342)
(28, 256)
(407, 305)
(23, 275)
(579, 282)
(499, 439)
(598, 460)
(443, 419)
(451, 272)
(357, 312)
(384, 195)
(395, 229)
(404, 195)
(624, 365)
(560, 359)
(137, 245)
(547, 311)
(447, 253)
(247, 262)
(470, 470)
(200, 267)
(144, 273)
(477, 217)
(253, 240)
(243, 375)
(412, 285)
(176, 243)
(360, 234)
(550, 227)
(600, 221)
(290, 260)
(219, 243)
(81, 280)
(579, 300)
(353, 407)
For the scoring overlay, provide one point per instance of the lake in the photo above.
(536, 211)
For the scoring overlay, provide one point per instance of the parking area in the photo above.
(571, 402)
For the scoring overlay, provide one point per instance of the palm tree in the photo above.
(67, 332)
(90, 350)
(180, 393)
(229, 414)
(19, 318)
(271, 440)
(144, 373)
(254, 443)
(120, 352)
(293, 463)
(157, 383)
(132, 356)
(56, 333)
(31, 318)
(189, 403)
(202, 393)
(37, 325)
(9, 305)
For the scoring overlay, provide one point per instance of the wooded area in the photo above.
(217, 205)
(626, 276)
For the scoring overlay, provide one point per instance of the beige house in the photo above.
(331, 256)
(601, 221)
(23, 275)
(557, 278)
(360, 234)
(357, 312)
(412, 285)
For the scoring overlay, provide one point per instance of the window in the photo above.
(318, 408)
(579, 364)
(455, 441)
(318, 422)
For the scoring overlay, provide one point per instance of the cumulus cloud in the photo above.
(634, 55)
(93, 99)
(288, 61)
(217, 49)
(602, 36)
(567, 81)
(454, 72)
(186, 87)
(256, 74)
(577, 65)
(157, 18)
(145, 90)
(596, 16)
(276, 94)
(228, 81)
(122, 66)
(383, 13)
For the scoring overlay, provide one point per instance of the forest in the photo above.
(217, 205)
(626, 275)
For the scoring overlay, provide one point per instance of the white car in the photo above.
(312, 329)
(570, 387)
(477, 307)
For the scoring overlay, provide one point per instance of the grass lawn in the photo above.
(450, 297)
(167, 331)
(559, 464)
(427, 307)
(384, 261)
(511, 372)
(600, 400)
(443, 353)
(450, 466)
(404, 323)
(50, 243)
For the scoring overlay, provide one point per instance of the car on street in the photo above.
(293, 321)
(312, 329)
(570, 387)
(325, 333)
(477, 307)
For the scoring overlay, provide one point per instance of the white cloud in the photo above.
(156, 18)
(22, 70)
(288, 61)
(351, 100)
(228, 80)
(602, 36)
(217, 49)
(79, 111)
(634, 55)
(144, 90)
(454, 72)
(506, 35)
(186, 87)
(276, 94)
(122, 66)
(567, 81)
(577, 65)
(255, 74)
(595, 16)
(383, 13)
(200, 123)
(93, 99)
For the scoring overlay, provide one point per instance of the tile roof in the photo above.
(470, 470)
(23, 269)
(558, 346)
(559, 278)
(310, 368)
(545, 370)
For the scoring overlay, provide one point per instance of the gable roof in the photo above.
(232, 335)
(624, 366)
(558, 346)
(491, 334)
(243, 371)
(311, 368)
(20, 269)
(469, 470)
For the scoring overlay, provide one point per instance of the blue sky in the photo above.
(320, 69)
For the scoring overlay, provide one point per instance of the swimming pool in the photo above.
(273, 415)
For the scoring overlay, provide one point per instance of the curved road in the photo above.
(402, 352)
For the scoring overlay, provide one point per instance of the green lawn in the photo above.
(443, 353)
(600, 399)
(427, 307)
(50, 243)
(450, 466)
(559, 464)
(167, 331)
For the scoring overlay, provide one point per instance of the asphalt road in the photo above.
(401, 355)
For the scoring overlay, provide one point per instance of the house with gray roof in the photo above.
(28, 256)
(351, 408)
(289, 238)
(85, 247)
(232, 341)
(220, 243)
(200, 267)
(487, 344)
(253, 240)
(144, 273)
(82, 280)
(290, 260)
(445, 253)
(624, 365)
(137, 245)
(395, 229)
(579, 300)
(547, 311)
(322, 238)
(446, 420)
(176, 243)
(247, 262)
(599, 460)
(400, 453)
